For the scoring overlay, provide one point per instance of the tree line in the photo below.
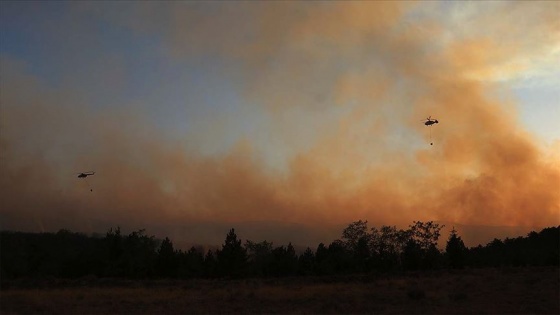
(359, 250)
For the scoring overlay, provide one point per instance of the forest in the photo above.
(360, 250)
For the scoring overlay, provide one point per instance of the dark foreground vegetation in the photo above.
(359, 251)
(385, 270)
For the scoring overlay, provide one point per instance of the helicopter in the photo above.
(430, 121)
(85, 174)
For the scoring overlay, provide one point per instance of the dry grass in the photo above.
(484, 291)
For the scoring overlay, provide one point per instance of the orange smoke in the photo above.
(365, 156)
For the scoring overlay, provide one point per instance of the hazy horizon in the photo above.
(279, 119)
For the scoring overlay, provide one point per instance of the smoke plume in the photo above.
(342, 87)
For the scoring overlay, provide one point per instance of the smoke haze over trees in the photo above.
(218, 114)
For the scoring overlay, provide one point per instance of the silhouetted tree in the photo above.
(166, 265)
(340, 257)
(387, 245)
(497, 252)
(192, 263)
(259, 257)
(421, 249)
(426, 234)
(139, 254)
(114, 243)
(353, 233)
(71, 255)
(433, 258)
(210, 264)
(324, 263)
(307, 263)
(362, 255)
(284, 262)
(456, 251)
(412, 255)
(357, 242)
(65, 254)
(232, 257)
(290, 260)
(537, 249)
(545, 247)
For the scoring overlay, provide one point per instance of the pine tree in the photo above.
(307, 262)
(233, 257)
(456, 251)
(166, 264)
(210, 264)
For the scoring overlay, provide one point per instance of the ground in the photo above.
(476, 291)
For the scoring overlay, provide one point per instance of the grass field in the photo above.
(472, 291)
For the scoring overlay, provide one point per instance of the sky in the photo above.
(284, 120)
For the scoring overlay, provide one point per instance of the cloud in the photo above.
(513, 41)
(342, 86)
